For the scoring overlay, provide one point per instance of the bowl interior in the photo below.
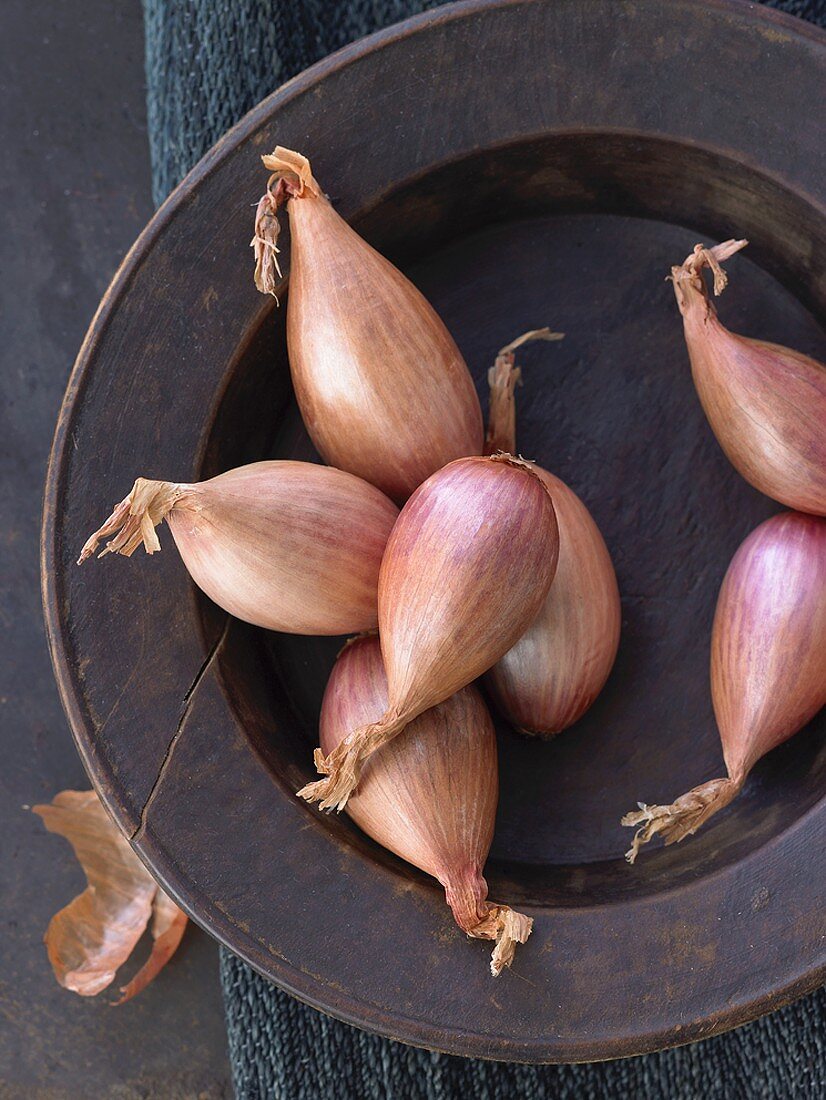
(578, 231)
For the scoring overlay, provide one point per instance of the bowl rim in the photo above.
(349, 1009)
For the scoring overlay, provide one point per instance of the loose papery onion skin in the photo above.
(90, 938)
(430, 795)
(467, 568)
(382, 387)
(289, 546)
(768, 664)
(766, 404)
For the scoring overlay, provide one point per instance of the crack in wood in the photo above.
(186, 708)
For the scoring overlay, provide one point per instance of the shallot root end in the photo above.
(683, 817)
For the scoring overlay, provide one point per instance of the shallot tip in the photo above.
(503, 378)
(332, 792)
(264, 244)
(514, 929)
(341, 779)
(527, 337)
(690, 270)
(133, 521)
(293, 168)
(682, 818)
(342, 768)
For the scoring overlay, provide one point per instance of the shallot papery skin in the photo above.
(768, 663)
(558, 667)
(93, 936)
(429, 796)
(466, 569)
(766, 404)
(289, 546)
(382, 387)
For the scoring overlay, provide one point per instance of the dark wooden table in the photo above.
(75, 192)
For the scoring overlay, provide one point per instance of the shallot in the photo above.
(555, 671)
(766, 404)
(289, 546)
(382, 387)
(466, 569)
(429, 796)
(768, 664)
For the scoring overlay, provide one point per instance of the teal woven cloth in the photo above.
(207, 63)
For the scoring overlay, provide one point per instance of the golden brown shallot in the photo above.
(289, 546)
(382, 387)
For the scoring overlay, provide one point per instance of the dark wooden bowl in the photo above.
(527, 163)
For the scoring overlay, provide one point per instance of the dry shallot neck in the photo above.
(683, 817)
(134, 520)
(690, 286)
(503, 378)
(343, 766)
(291, 178)
(519, 463)
(293, 169)
(467, 897)
(264, 241)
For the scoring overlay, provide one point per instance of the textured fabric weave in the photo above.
(207, 63)
(283, 1050)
